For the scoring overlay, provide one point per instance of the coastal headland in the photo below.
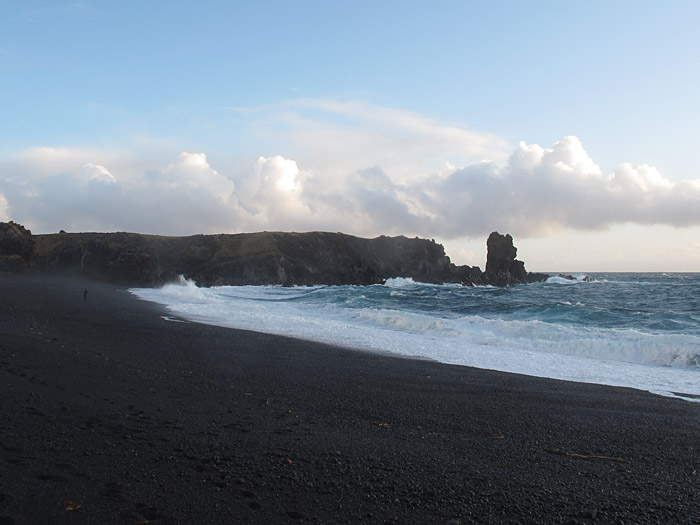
(253, 258)
(112, 414)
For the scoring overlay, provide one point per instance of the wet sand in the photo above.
(111, 414)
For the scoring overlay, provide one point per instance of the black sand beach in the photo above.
(111, 414)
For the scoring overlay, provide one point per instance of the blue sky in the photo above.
(573, 125)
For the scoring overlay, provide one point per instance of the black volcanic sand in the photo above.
(111, 414)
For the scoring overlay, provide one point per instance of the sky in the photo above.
(570, 125)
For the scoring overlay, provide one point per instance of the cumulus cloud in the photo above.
(4, 209)
(78, 194)
(96, 172)
(190, 178)
(269, 194)
(543, 190)
(533, 192)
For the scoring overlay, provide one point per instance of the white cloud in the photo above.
(78, 190)
(534, 192)
(270, 194)
(191, 174)
(4, 209)
(187, 196)
(96, 172)
(419, 131)
(336, 138)
(275, 174)
(41, 162)
(540, 191)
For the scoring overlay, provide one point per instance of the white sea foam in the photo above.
(570, 279)
(658, 362)
(400, 282)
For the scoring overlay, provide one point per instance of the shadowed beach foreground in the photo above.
(111, 414)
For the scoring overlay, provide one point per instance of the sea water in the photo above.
(636, 330)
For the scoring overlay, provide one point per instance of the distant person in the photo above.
(85, 292)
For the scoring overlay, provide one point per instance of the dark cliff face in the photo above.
(254, 258)
(119, 257)
(16, 247)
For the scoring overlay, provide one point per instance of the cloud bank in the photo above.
(540, 191)
(534, 192)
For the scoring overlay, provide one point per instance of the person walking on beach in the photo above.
(85, 292)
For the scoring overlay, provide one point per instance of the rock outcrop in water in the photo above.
(502, 268)
(249, 258)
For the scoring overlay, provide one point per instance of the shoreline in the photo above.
(112, 414)
(664, 380)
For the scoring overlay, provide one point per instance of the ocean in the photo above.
(639, 330)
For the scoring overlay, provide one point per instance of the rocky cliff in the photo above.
(16, 247)
(252, 258)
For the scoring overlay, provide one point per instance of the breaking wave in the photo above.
(636, 330)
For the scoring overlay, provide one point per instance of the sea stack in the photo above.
(502, 268)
